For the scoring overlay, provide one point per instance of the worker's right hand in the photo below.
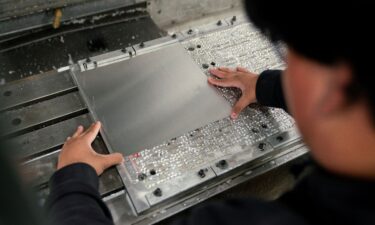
(239, 78)
(77, 149)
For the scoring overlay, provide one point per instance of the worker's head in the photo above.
(328, 83)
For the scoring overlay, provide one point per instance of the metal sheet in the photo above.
(151, 98)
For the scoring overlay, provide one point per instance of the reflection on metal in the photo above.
(150, 99)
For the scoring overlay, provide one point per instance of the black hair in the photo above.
(325, 32)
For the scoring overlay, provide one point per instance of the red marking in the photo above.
(136, 155)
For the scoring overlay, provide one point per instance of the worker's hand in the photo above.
(77, 149)
(240, 78)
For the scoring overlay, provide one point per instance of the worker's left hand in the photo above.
(239, 78)
(77, 149)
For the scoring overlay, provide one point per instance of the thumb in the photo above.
(111, 160)
(238, 107)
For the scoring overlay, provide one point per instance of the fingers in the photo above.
(226, 69)
(228, 82)
(111, 160)
(78, 132)
(218, 73)
(242, 69)
(92, 132)
(238, 107)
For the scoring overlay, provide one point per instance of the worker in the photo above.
(328, 87)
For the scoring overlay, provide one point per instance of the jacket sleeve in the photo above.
(269, 91)
(74, 197)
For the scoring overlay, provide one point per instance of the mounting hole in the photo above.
(152, 172)
(7, 93)
(279, 138)
(264, 126)
(191, 49)
(205, 66)
(222, 164)
(16, 121)
(199, 46)
(254, 130)
(158, 192)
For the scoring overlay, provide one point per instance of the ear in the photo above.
(337, 82)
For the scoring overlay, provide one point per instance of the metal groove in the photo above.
(35, 89)
(17, 122)
(8, 46)
(42, 98)
(42, 168)
(45, 140)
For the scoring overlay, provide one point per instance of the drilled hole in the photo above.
(7, 93)
(191, 49)
(279, 138)
(16, 121)
(205, 66)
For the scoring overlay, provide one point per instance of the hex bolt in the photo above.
(261, 146)
(201, 173)
(158, 192)
(142, 176)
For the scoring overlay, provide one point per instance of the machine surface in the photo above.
(148, 86)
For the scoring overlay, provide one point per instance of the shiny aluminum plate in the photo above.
(150, 98)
